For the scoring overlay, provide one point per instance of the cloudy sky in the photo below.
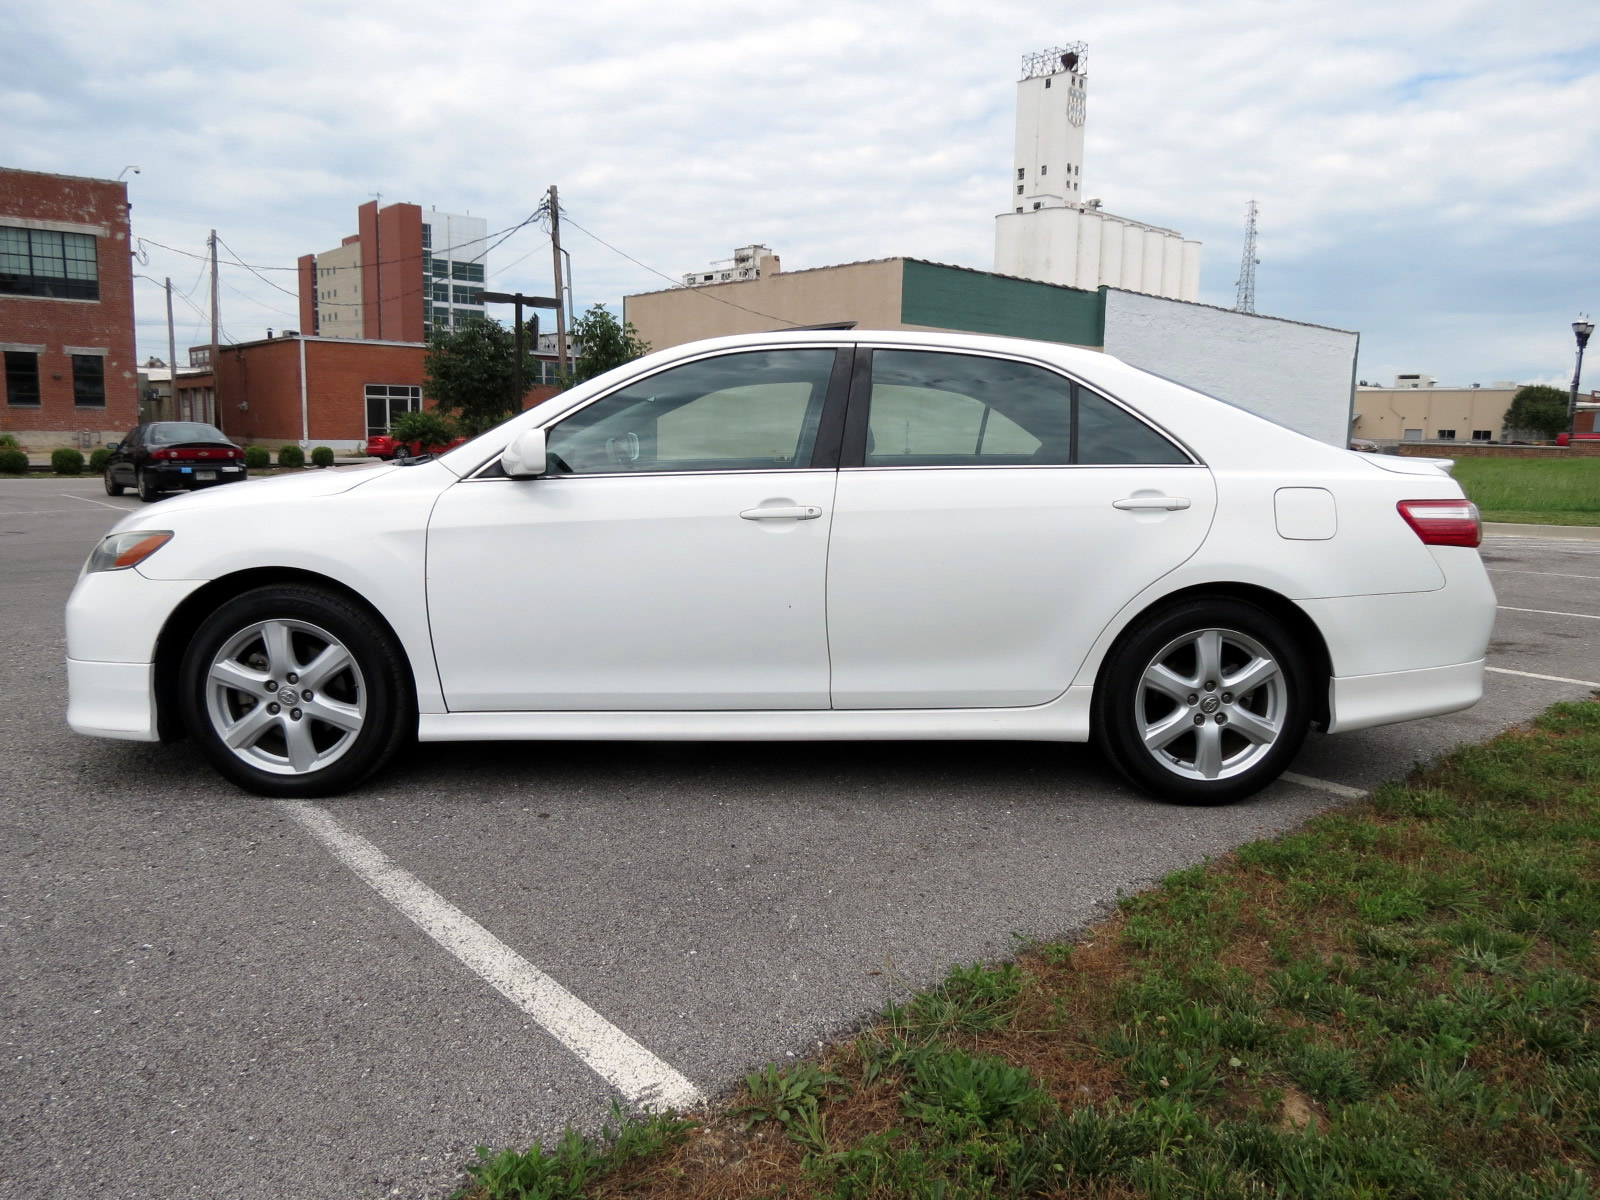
(1428, 170)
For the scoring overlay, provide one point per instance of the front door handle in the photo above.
(783, 512)
(1166, 503)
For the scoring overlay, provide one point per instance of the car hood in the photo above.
(304, 485)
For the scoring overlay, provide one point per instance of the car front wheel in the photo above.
(293, 691)
(1205, 703)
(113, 488)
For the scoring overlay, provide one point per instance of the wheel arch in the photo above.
(1279, 605)
(184, 620)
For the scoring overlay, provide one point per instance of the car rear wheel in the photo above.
(401, 453)
(1205, 703)
(294, 691)
(146, 484)
(113, 488)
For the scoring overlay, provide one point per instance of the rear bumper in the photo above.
(174, 479)
(1362, 701)
(112, 700)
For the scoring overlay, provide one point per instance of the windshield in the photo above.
(167, 433)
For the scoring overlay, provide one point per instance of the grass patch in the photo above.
(1563, 491)
(1400, 999)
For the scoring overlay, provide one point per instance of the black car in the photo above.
(170, 456)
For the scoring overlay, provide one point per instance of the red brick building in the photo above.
(322, 391)
(66, 309)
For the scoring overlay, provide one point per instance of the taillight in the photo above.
(1443, 522)
(161, 454)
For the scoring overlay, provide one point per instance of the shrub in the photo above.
(13, 462)
(257, 457)
(98, 461)
(9, 442)
(430, 427)
(322, 456)
(291, 456)
(66, 461)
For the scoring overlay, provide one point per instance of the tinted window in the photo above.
(931, 409)
(1108, 436)
(170, 433)
(738, 412)
(934, 409)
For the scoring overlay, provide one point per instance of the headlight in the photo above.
(122, 550)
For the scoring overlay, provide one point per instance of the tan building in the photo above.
(1416, 409)
(1297, 374)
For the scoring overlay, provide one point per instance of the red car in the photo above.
(384, 446)
(1563, 439)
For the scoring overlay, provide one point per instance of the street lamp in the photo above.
(1581, 329)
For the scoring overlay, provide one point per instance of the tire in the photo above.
(340, 736)
(1153, 687)
(112, 488)
(401, 453)
(148, 491)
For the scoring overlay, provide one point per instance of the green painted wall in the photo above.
(976, 302)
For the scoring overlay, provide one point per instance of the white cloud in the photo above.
(1428, 172)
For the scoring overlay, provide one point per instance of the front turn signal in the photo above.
(119, 551)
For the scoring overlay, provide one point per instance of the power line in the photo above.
(678, 283)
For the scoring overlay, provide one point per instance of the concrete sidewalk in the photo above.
(1551, 533)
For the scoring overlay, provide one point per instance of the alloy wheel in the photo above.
(1211, 704)
(286, 696)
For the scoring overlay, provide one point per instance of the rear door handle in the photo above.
(1168, 503)
(786, 512)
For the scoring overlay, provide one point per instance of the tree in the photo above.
(470, 373)
(604, 342)
(430, 427)
(1539, 408)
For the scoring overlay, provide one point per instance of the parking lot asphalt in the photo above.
(199, 999)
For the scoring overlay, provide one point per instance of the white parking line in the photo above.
(613, 1055)
(101, 503)
(1324, 785)
(1549, 612)
(1550, 678)
(1551, 574)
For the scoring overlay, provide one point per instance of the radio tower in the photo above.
(1246, 283)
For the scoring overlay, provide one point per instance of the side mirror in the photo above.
(113, 445)
(525, 457)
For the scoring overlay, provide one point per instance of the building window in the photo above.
(1019, 210)
(386, 401)
(89, 380)
(441, 292)
(1483, 435)
(468, 272)
(22, 377)
(438, 266)
(1044, 168)
(1020, 173)
(1047, 82)
(1447, 435)
(1019, 189)
(467, 295)
(427, 237)
(41, 262)
(441, 319)
(1036, 203)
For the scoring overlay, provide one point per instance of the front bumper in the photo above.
(114, 619)
(112, 700)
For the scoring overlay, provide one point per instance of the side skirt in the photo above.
(1064, 719)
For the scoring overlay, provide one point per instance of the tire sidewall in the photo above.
(1116, 698)
(389, 694)
(147, 492)
(112, 488)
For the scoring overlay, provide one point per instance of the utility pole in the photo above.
(216, 353)
(535, 302)
(1245, 301)
(555, 253)
(172, 353)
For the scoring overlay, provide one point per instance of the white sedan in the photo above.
(814, 536)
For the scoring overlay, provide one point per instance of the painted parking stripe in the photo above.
(606, 1050)
(1551, 574)
(1548, 612)
(1324, 785)
(101, 503)
(1588, 683)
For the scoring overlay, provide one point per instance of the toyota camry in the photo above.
(810, 535)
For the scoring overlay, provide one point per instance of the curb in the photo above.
(1548, 533)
